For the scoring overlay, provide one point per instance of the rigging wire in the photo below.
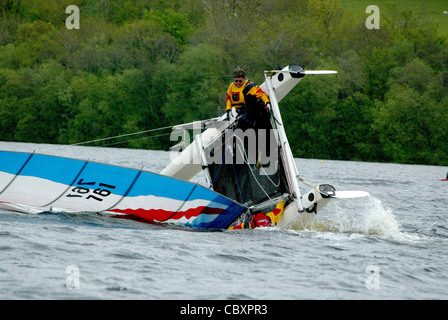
(250, 169)
(237, 184)
(139, 132)
(120, 136)
(219, 169)
(255, 178)
(115, 143)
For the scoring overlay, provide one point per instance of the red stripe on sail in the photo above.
(161, 215)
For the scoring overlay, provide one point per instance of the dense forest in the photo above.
(136, 65)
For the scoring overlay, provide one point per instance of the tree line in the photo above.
(136, 65)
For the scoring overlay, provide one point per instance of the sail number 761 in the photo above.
(98, 194)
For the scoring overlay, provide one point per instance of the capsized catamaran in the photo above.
(238, 186)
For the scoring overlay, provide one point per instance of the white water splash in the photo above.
(360, 216)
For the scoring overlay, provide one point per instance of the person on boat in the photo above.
(250, 102)
(261, 220)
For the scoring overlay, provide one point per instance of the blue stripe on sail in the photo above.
(223, 221)
(232, 210)
(204, 193)
(220, 221)
(12, 162)
(161, 186)
(62, 170)
(117, 180)
(65, 170)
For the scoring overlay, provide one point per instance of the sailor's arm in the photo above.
(257, 92)
(229, 101)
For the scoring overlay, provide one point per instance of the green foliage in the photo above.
(411, 123)
(172, 22)
(196, 85)
(137, 65)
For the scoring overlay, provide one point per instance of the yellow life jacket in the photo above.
(236, 96)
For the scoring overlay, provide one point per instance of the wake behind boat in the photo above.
(251, 177)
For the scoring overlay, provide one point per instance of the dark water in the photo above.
(391, 245)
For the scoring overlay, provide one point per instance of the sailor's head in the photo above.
(239, 76)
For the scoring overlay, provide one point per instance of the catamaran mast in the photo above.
(285, 149)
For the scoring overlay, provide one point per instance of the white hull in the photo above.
(188, 163)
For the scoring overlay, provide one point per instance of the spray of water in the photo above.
(363, 216)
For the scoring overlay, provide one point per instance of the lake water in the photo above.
(391, 245)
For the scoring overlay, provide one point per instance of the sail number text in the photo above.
(98, 194)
